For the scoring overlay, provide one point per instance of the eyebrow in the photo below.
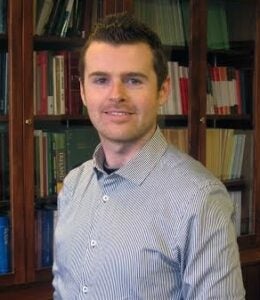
(97, 73)
(130, 74)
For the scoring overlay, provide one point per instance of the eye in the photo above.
(133, 81)
(100, 80)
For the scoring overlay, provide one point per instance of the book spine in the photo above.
(3, 14)
(47, 238)
(74, 103)
(4, 245)
(43, 17)
(67, 17)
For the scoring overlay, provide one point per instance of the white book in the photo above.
(67, 17)
(236, 197)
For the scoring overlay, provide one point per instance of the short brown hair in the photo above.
(121, 29)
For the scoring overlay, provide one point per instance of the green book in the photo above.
(80, 145)
(217, 25)
(217, 32)
(59, 158)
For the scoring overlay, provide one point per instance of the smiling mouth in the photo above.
(118, 113)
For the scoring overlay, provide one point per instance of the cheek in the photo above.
(91, 98)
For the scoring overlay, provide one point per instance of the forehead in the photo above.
(101, 54)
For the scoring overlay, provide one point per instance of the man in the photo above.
(141, 220)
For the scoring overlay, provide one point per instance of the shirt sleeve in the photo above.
(211, 265)
(64, 199)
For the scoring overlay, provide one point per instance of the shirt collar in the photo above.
(138, 168)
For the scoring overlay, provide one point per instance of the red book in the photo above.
(216, 89)
(73, 86)
(222, 70)
(42, 73)
(183, 89)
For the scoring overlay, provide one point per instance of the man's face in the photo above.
(120, 92)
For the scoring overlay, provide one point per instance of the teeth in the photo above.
(117, 113)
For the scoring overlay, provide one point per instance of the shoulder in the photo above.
(75, 175)
(191, 183)
(182, 166)
(75, 180)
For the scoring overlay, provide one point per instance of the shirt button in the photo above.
(105, 198)
(93, 243)
(85, 289)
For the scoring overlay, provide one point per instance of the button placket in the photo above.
(85, 289)
(105, 198)
(93, 243)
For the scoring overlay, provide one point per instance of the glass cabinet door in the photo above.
(230, 101)
(5, 216)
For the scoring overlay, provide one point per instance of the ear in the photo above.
(164, 91)
(82, 93)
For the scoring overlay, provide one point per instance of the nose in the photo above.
(117, 93)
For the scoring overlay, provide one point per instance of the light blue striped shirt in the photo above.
(161, 227)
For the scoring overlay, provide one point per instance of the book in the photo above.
(51, 184)
(47, 238)
(183, 83)
(223, 85)
(53, 18)
(236, 197)
(57, 152)
(74, 102)
(58, 84)
(59, 158)
(4, 244)
(217, 29)
(67, 17)
(4, 164)
(3, 83)
(240, 20)
(80, 145)
(239, 158)
(83, 12)
(42, 20)
(227, 153)
(44, 237)
(214, 151)
(3, 16)
(176, 87)
(164, 17)
(50, 97)
(42, 80)
(232, 90)
(170, 106)
(217, 33)
(177, 137)
(40, 164)
(60, 18)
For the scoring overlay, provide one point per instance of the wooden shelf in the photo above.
(26, 281)
(57, 43)
(39, 291)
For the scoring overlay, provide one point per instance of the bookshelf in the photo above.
(22, 122)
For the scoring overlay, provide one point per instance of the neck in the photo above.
(118, 154)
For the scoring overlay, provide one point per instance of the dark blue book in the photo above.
(47, 238)
(3, 83)
(3, 16)
(4, 245)
(4, 163)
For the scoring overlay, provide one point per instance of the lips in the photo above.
(118, 113)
